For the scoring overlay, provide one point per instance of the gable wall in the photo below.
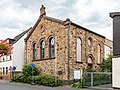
(48, 65)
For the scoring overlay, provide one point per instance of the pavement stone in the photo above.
(21, 86)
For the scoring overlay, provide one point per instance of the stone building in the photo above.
(59, 47)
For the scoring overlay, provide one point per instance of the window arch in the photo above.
(79, 49)
(90, 59)
(90, 42)
(42, 49)
(51, 47)
(34, 51)
(99, 55)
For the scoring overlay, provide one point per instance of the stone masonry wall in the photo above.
(60, 34)
(49, 65)
(77, 32)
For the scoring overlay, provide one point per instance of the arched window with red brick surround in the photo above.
(51, 47)
(42, 49)
(34, 51)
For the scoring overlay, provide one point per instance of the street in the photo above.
(19, 86)
(6, 85)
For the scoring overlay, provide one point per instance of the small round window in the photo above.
(90, 41)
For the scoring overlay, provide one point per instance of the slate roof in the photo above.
(16, 38)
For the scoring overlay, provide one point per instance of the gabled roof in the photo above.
(16, 38)
(60, 22)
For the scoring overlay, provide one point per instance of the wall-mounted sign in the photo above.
(77, 74)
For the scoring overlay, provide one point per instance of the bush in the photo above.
(40, 79)
(18, 78)
(89, 69)
(27, 71)
(77, 85)
(47, 80)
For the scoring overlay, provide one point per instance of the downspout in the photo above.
(69, 23)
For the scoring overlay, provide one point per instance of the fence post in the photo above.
(91, 79)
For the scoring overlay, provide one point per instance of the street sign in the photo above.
(10, 68)
(14, 68)
(32, 65)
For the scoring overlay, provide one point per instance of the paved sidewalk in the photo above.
(102, 87)
(22, 86)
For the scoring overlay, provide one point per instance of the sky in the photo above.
(19, 15)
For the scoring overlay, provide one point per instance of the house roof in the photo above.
(16, 38)
(60, 22)
(113, 14)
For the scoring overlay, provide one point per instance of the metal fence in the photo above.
(91, 79)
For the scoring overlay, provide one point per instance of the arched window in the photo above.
(90, 60)
(42, 47)
(99, 55)
(79, 48)
(34, 51)
(90, 42)
(51, 47)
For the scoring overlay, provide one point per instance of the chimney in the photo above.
(42, 11)
(116, 33)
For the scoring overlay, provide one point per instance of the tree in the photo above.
(5, 47)
(107, 64)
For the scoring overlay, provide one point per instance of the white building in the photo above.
(16, 58)
(116, 51)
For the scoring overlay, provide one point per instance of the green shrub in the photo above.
(27, 71)
(47, 80)
(77, 85)
(40, 79)
(18, 78)
(26, 75)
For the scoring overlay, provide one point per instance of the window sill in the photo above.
(98, 63)
(50, 58)
(79, 62)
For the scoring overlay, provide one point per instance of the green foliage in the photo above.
(47, 80)
(98, 79)
(40, 79)
(27, 71)
(4, 46)
(89, 69)
(4, 49)
(77, 85)
(106, 65)
(18, 78)
(101, 79)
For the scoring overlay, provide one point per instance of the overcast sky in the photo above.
(18, 15)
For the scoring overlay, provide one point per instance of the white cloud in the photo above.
(17, 15)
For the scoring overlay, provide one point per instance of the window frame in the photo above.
(79, 49)
(34, 49)
(98, 53)
(51, 48)
(42, 50)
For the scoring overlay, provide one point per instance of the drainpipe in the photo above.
(69, 23)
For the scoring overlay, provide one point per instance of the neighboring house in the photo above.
(16, 57)
(59, 47)
(116, 50)
(108, 48)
